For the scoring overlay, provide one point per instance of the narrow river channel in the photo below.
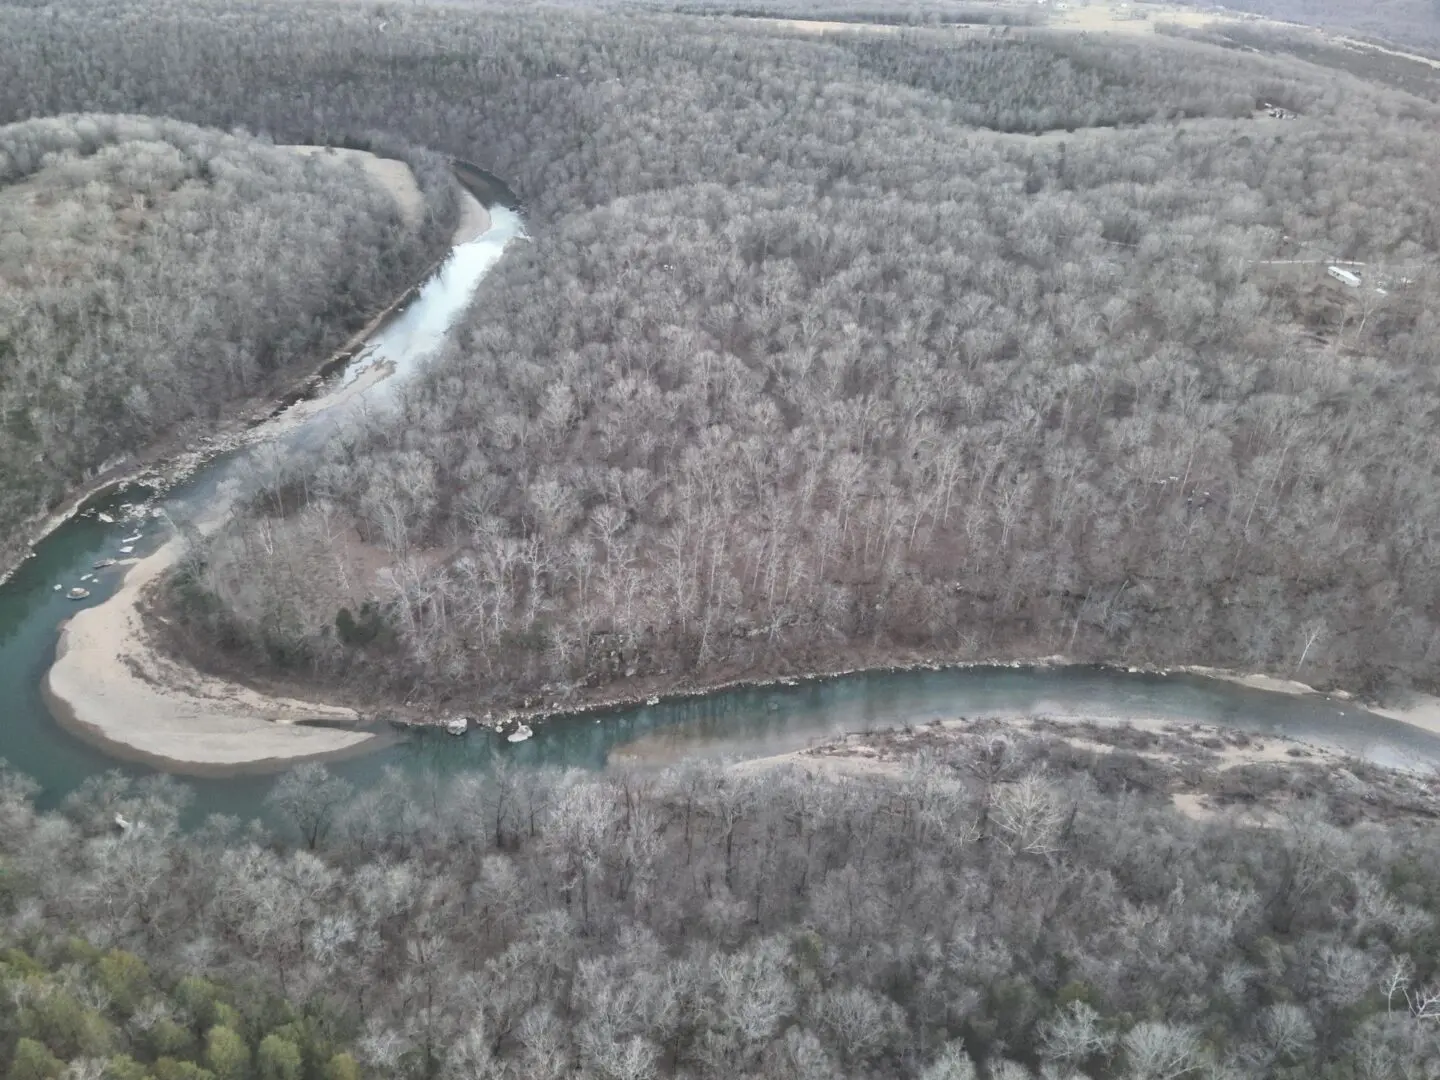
(745, 722)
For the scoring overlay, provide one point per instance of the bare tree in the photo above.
(309, 797)
(1161, 1051)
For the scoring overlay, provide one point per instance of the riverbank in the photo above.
(1325, 720)
(1420, 710)
(886, 752)
(114, 685)
(1206, 772)
(178, 453)
(1423, 713)
(109, 684)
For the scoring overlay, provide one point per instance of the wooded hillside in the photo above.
(997, 904)
(849, 349)
(152, 271)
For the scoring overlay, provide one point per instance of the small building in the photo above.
(1345, 277)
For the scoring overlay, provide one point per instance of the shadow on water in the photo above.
(485, 185)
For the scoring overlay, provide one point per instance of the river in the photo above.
(743, 722)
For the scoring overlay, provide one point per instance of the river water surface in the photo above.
(744, 722)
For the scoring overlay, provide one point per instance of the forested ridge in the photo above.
(995, 903)
(845, 350)
(152, 271)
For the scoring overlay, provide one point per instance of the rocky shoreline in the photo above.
(174, 458)
(531, 713)
(112, 684)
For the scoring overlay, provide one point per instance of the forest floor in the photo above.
(114, 684)
(1205, 772)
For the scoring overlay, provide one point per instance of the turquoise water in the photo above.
(746, 722)
(30, 614)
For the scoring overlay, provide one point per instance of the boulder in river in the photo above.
(520, 734)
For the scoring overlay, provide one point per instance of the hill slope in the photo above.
(152, 271)
(1021, 897)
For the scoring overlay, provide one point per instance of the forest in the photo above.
(152, 271)
(85, 1013)
(825, 350)
(936, 344)
(998, 903)
(933, 344)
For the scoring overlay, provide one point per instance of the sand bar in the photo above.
(1422, 711)
(108, 680)
(112, 685)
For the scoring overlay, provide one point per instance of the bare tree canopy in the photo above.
(739, 922)
(857, 348)
(151, 272)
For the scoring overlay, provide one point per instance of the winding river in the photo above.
(742, 722)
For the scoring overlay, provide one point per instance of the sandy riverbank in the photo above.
(886, 752)
(166, 455)
(112, 685)
(1421, 711)
(108, 681)
(1206, 772)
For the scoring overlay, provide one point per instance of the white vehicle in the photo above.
(1345, 277)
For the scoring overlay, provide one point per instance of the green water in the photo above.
(742, 723)
(746, 723)
(31, 610)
